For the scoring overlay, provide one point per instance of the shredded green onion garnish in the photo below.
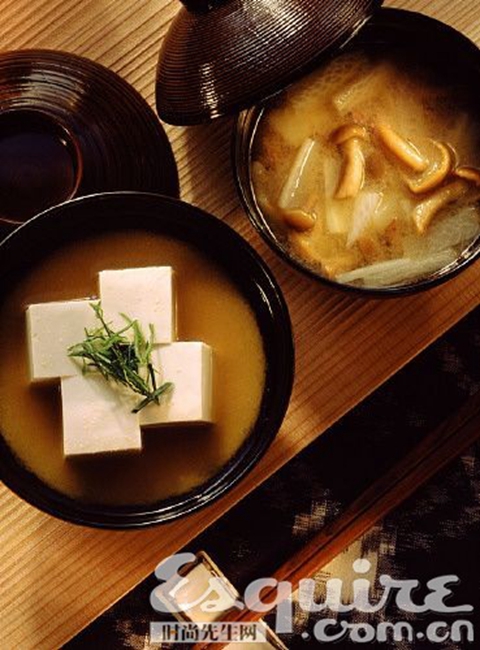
(125, 360)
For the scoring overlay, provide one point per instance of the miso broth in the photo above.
(369, 169)
(176, 459)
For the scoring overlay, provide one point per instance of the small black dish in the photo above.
(447, 52)
(111, 212)
(40, 164)
(71, 127)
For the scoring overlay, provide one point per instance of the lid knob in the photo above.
(201, 5)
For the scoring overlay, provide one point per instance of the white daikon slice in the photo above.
(363, 219)
(338, 214)
(396, 271)
(289, 196)
(455, 230)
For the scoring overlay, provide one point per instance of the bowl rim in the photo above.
(242, 172)
(274, 402)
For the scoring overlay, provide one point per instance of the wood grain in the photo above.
(55, 578)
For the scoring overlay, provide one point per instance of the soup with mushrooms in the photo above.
(369, 169)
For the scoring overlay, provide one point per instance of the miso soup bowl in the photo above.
(440, 46)
(101, 213)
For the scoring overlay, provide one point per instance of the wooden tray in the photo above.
(55, 577)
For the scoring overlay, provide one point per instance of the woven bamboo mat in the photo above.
(54, 577)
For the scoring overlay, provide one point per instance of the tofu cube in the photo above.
(143, 294)
(53, 327)
(97, 414)
(97, 417)
(189, 367)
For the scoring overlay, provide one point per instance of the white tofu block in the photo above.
(53, 327)
(143, 294)
(97, 417)
(189, 367)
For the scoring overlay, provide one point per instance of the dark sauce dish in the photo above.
(95, 215)
(40, 163)
(446, 52)
(71, 127)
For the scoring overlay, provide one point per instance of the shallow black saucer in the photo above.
(111, 135)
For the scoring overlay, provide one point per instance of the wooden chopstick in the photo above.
(435, 451)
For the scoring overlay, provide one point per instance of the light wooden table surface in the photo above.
(54, 577)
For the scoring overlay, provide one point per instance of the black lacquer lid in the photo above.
(221, 56)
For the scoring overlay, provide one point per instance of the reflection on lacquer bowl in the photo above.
(226, 298)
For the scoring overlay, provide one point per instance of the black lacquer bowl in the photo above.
(447, 53)
(111, 212)
(71, 127)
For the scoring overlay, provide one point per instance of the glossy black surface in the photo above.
(447, 52)
(110, 212)
(221, 56)
(114, 138)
